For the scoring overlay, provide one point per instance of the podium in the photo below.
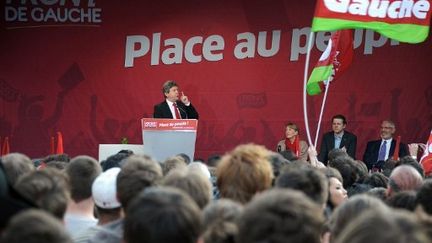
(164, 138)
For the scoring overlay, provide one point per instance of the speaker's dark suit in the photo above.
(186, 112)
(349, 141)
(370, 156)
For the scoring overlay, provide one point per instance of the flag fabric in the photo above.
(402, 20)
(5, 147)
(59, 143)
(426, 159)
(397, 148)
(297, 146)
(333, 62)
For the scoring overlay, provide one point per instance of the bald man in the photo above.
(404, 178)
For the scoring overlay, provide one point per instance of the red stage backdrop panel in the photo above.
(92, 69)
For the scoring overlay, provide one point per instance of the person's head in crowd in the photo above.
(126, 151)
(220, 221)
(358, 188)
(424, 197)
(36, 226)
(426, 224)
(173, 163)
(351, 209)
(137, 173)
(288, 155)
(278, 162)
(294, 165)
(376, 179)
(330, 172)
(345, 165)
(243, 172)
(378, 192)
(11, 202)
(280, 215)
(362, 170)
(115, 160)
(378, 226)
(337, 193)
(57, 157)
(16, 165)
(162, 214)
(82, 171)
(185, 157)
(47, 188)
(59, 165)
(104, 192)
(213, 160)
(336, 152)
(222, 210)
(194, 183)
(408, 160)
(403, 200)
(310, 181)
(404, 178)
(199, 167)
(389, 166)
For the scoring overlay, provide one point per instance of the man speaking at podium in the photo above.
(174, 107)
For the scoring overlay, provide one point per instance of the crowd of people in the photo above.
(250, 194)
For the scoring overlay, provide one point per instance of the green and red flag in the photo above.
(402, 20)
(333, 62)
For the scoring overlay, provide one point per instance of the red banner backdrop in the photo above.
(92, 69)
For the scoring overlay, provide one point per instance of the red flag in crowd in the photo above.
(59, 143)
(396, 151)
(6, 147)
(426, 159)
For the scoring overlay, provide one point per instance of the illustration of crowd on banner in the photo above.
(299, 193)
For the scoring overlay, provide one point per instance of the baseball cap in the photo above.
(104, 189)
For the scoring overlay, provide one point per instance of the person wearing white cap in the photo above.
(104, 192)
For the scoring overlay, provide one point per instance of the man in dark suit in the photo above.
(174, 107)
(378, 151)
(338, 138)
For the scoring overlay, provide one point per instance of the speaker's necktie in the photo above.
(176, 111)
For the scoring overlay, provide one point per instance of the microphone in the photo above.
(181, 110)
(279, 148)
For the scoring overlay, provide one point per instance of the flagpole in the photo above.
(305, 78)
(322, 110)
